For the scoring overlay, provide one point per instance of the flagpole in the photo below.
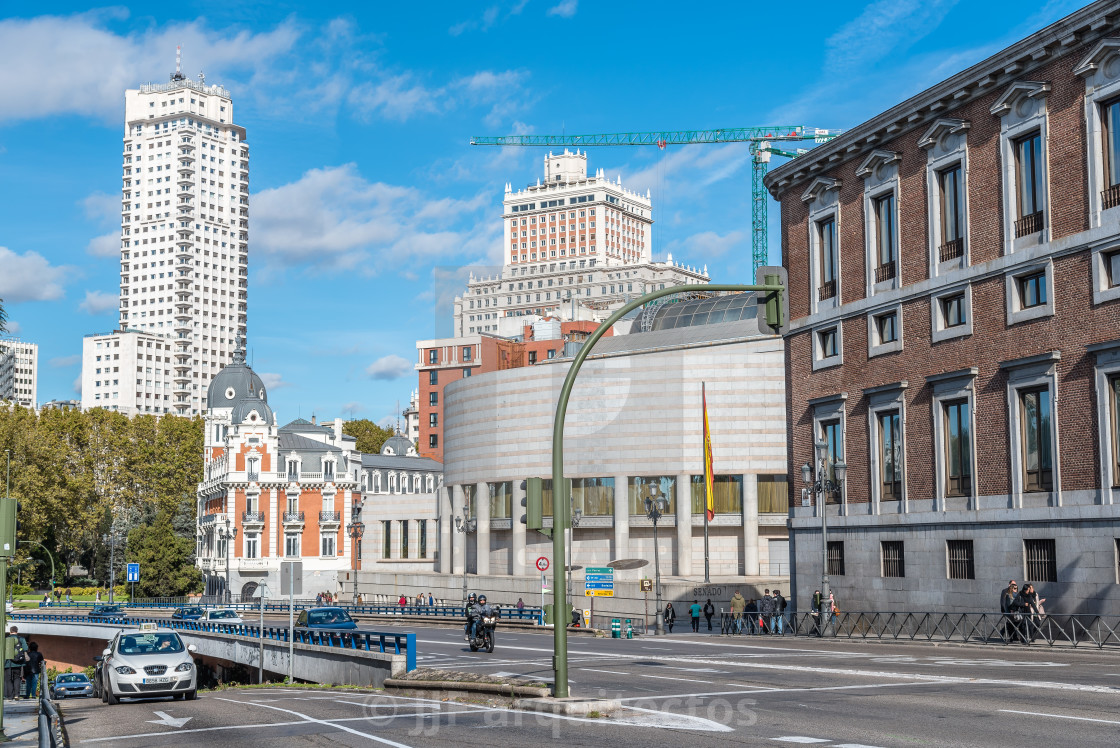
(704, 447)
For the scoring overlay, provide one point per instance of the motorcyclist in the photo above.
(468, 629)
(481, 609)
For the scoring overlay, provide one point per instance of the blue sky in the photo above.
(364, 189)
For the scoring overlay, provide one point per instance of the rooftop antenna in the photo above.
(178, 63)
(398, 416)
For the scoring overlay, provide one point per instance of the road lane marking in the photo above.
(313, 720)
(1062, 716)
(665, 677)
(800, 739)
(166, 733)
(609, 672)
(764, 690)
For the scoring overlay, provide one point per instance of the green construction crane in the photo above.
(759, 139)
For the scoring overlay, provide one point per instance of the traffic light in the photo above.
(773, 307)
(533, 503)
(9, 526)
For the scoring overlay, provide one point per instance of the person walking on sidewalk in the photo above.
(33, 669)
(778, 620)
(709, 611)
(694, 611)
(766, 613)
(670, 616)
(15, 657)
(738, 605)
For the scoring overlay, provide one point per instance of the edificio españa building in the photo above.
(954, 275)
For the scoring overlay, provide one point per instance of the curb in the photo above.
(508, 690)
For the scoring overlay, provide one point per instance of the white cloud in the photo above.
(273, 381)
(353, 407)
(333, 218)
(884, 28)
(709, 244)
(401, 97)
(64, 361)
(77, 385)
(99, 302)
(29, 277)
(13, 328)
(389, 367)
(564, 9)
(106, 245)
(490, 16)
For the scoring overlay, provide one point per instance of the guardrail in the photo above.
(1075, 630)
(352, 639)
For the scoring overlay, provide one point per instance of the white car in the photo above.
(147, 662)
(222, 615)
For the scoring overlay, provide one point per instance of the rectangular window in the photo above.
(404, 538)
(532, 357)
(886, 325)
(1110, 118)
(327, 545)
(727, 494)
(836, 558)
(961, 563)
(1028, 168)
(433, 419)
(467, 350)
(433, 398)
(500, 499)
(593, 496)
(833, 436)
(433, 377)
(827, 340)
(893, 561)
(652, 487)
(890, 455)
(952, 310)
(826, 238)
(1112, 264)
(422, 528)
(433, 441)
(1042, 562)
(386, 538)
(1038, 474)
(433, 356)
(466, 372)
(291, 545)
(887, 250)
(1114, 397)
(958, 449)
(773, 494)
(252, 545)
(952, 213)
(1032, 289)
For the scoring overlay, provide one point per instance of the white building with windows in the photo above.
(184, 236)
(127, 371)
(19, 372)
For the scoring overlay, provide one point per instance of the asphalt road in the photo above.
(681, 689)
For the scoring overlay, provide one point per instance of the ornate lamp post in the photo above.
(821, 486)
(655, 508)
(356, 530)
(228, 535)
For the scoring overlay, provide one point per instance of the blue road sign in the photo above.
(133, 573)
(599, 577)
(598, 585)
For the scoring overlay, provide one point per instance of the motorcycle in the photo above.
(484, 633)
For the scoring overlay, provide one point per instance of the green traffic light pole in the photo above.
(561, 508)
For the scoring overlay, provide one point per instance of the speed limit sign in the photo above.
(542, 563)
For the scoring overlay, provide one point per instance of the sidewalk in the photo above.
(21, 722)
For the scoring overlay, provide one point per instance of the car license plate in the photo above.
(158, 680)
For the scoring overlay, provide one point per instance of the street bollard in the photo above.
(616, 629)
(629, 630)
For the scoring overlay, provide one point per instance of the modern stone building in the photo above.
(954, 274)
(19, 372)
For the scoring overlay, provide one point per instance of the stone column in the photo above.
(458, 539)
(517, 540)
(482, 538)
(621, 517)
(443, 516)
(750, 525)
(684, 525)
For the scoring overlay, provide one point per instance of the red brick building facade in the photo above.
(954, 271)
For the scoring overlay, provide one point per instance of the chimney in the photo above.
(338, 431)
(312, 419)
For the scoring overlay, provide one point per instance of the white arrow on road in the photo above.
(167, 719)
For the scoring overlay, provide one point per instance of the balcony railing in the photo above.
(249, 518)
(951, 250)
(293, 517)
(827, 290)
(325, 517)
(1110, 197)
(254, 477)
(1028, 224)
(885, 272)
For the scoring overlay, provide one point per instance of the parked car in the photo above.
(222, 615)
(147, 662)
(325, 618)
(188, 614)
(71, 684)
(107, 611)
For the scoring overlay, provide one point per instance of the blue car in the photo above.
(188, 614)
(107, 611)
(71, 684)
(325, 618)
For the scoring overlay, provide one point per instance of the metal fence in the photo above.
(1074, 630)
(50, 731)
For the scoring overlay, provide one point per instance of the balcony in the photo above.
(330, 518)
(1028, 225)
(1110, 197)
(252, 564)
(827, 290)
(886, 271)
(951, 250)
(252, 518)
(254, 477)
(293, 518)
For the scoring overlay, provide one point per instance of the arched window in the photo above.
(377, 482)
(429, 484)
(392, 482)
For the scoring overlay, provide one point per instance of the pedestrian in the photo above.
(33, 669)
(319, 599)
(15, 657)
(97, 597)
(69, 597)
(57, 595)
(46, 598)
(1006, 602)
(738, 605)
(1032, 618)
(403, 601)
(709, 611)
(834, 609)
(766, 612)
(816, 610)
(694, 611)
(778, 620)
(669, 617)
(431, 600)
(520, 604)
(752, 616)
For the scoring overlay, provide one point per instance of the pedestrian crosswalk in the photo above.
(805, 740)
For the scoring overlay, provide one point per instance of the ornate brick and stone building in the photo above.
(954, 272)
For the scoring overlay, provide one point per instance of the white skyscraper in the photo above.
(184, 246)
(19, 370)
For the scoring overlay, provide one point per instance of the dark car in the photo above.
(71, 684)
(325, 618)
(107, 611)
(188, 614)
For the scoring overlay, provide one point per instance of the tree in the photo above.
(166, 560)
(370, 436)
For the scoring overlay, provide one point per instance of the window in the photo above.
(532, 357)
(727, 494)
(951, 185)
(1042, 562)
(433, 377)
(961, 563)
(1032, 289)
(833, 436)
(1112, 267)
(291, 545)
(651, 487)
(433, 441)
(327, 545)
(890, 455)
(433, 419)
(433, 398)
(593, 496)
(1114, 403)
(252, 545)
(1028, 184)
(433, 356)
(404, 538)
(826, 240)
(827, 339)
(952, 310)
(885, 238)
(386, 538)
(1038, 474)
(1110, 121)
(422, 532)
(893, 561)
(836, 558)
(467, 350)
(886, 326)
(958, 449)
(773, 494)
(466, 372)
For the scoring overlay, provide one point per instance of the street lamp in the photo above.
(229, 534)
(356, 529)
(468, 525)
(821, 486)
(655, 507)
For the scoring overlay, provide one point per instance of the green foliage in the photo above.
(370, 436)
(166, 560)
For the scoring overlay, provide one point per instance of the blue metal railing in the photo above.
(353, 639)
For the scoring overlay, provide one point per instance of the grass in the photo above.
(594, 714)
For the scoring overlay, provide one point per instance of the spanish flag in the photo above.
(709, 489)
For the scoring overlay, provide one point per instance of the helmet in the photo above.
(482, 598)
(470, 597)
